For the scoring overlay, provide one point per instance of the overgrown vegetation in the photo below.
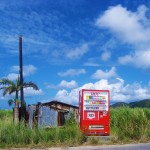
(13, 135)
(127, 125)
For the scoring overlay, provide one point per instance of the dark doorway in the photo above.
(61, 118)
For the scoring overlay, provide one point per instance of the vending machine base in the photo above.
(102, 139)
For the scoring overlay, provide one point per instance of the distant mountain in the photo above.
(119, 104)
(143, 103)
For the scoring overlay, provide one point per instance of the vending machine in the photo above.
(94, 112)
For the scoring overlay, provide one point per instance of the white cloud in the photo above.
(50, 86)
(125, 59)
(119, 91)
(72, 72)
(91, 64)
(92, 61)
(100, 74)
(65, 84)
(27, 69)
(12, 76)
(124, 23)
(27, 92)
(14, 68)
(68, 97)
(77, 52)
(30, 91)
(132, 28)
(140, 59)
(105, 56)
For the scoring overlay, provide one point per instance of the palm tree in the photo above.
(10, 87)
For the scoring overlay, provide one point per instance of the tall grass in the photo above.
(126, 125)
(6, 114)
(16, 135)
(130, 124)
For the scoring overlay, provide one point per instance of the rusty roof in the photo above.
(57, 102)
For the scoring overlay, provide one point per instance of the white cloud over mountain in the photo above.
(119, 91)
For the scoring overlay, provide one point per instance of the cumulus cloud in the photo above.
(124, 23)
(77, 52)
(132, 28)
(100, 74)
(66, 84)
(72, 72)
(119, 91)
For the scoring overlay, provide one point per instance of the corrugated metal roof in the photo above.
(57, 102)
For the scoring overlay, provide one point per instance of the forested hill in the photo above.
(141, 104)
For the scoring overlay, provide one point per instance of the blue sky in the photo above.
(69, 45)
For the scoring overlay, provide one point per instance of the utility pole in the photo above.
(21, 79)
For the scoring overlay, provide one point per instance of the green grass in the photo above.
(127, 125)
(6, 114)
(13, 135)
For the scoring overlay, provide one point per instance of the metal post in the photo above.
(21, 78)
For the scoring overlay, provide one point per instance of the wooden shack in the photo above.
(49, 114)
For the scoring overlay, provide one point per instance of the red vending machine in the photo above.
(94, 112)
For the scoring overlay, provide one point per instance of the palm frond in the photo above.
(13, 89)
(2, 88)
(5, 81)
(6, 90)
(30, 84)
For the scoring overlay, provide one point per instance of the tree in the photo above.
(10, 87)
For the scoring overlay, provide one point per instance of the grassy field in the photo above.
(127, 126)
(130, 125)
